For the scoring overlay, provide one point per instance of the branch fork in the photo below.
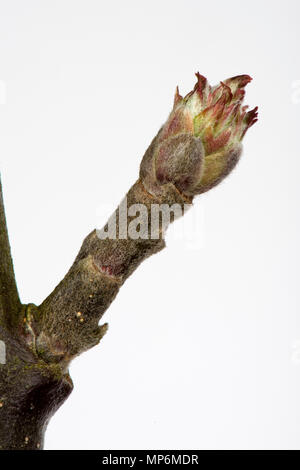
(196, 148)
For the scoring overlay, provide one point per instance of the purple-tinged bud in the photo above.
(201, 141)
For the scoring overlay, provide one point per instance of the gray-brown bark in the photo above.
(197, 147)
(9, 298)
(30, 389)
(42, 340)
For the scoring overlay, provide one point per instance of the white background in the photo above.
(203, 349)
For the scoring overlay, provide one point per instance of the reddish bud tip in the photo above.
(177, 98)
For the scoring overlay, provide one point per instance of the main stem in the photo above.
(9, 298)
(41, 341)
(30, 390)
